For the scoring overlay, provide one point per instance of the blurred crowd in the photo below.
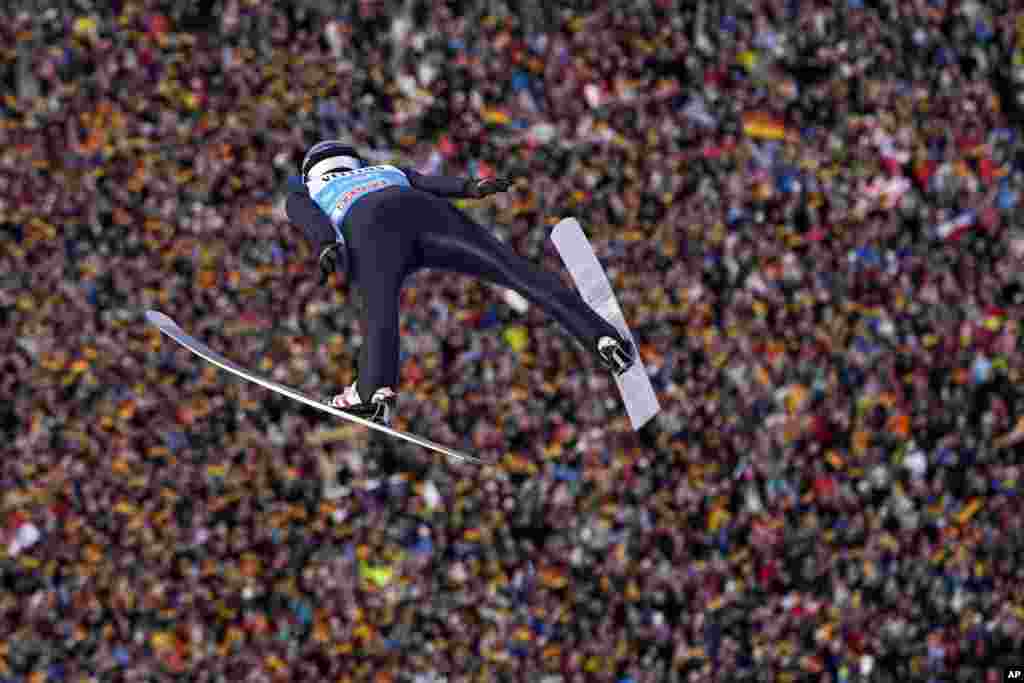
(809, 211)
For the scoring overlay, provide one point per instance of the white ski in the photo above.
(170, 328)
(592, 282)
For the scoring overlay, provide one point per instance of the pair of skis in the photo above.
(591, 281)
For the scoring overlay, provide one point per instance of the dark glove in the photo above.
(487, 186)
(332, 260)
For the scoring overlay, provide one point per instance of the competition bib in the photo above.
(341, 192)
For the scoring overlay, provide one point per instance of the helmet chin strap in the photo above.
(333, 164)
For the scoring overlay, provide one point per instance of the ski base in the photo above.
(171, 329)
(593, 285)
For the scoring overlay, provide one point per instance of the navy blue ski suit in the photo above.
(394, 222)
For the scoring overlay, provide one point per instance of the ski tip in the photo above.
(566, 224)
(159, 319)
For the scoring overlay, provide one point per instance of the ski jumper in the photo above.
(394, 222)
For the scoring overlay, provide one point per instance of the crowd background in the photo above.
(809, 211)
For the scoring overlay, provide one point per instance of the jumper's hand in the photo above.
(488, 186)
(330, 257)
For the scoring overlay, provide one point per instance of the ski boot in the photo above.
(379, 408)
(617, 356)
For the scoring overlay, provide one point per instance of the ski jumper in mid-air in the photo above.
(379, 224)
